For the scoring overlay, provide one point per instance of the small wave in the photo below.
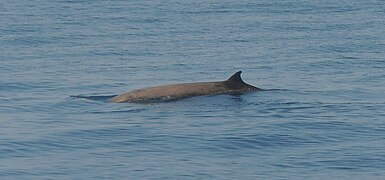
(261, 141)
(120, 111)
(94, 98)
(275, 90)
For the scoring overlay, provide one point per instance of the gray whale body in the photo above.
(233, 85)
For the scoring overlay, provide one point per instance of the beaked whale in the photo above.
(233, 85)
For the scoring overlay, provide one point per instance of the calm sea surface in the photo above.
(322, 64)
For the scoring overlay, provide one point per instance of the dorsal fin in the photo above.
(236, 78)
(235, 82)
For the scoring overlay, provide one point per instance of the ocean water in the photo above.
(321, 64)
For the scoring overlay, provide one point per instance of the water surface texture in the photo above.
(322, 64)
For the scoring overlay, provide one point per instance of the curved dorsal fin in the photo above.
(236, 78)
(235, 81)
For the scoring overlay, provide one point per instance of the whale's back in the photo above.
(234, 84)
(173, 91)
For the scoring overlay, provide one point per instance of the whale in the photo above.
(234, 85)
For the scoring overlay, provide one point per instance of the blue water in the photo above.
(321, 63)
